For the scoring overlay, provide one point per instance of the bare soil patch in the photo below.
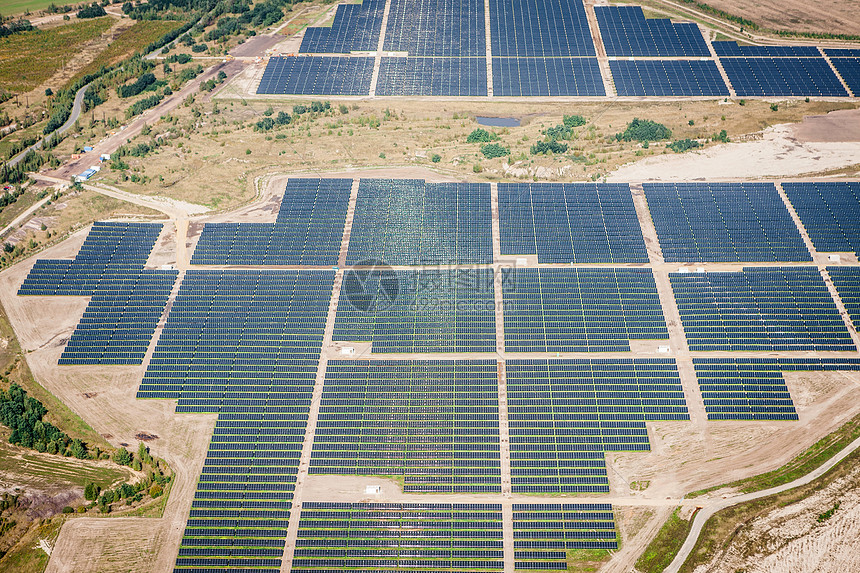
(827, 16)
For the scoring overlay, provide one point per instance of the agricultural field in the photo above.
(13, 7)
(825, 17)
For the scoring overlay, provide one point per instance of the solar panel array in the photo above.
(830, 213)
(782, 77)
(436, 423)
(317, 75)
(731, 49)
(849, 69)
(847, 283)
(308, 230)
(627, 33)
(580, 310)
(431, 310)
(667, 78)
(721, 222)
(355, 28)
(432, 77)
(110, 253)
(760, 309)
(547, 77)
(412, 222)
(447, 28)
(754, 388)
(376, 537)
(544, 533)
(564, 414)
(570, 223)
(120, 319)
(243, 344)
(540, 28)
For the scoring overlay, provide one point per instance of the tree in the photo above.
(283, 118)
(91, 491)
(122, 457)
(79, 449)
(49, 92)
(143, 453)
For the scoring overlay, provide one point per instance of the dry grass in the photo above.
(825, 16)
(50, 48)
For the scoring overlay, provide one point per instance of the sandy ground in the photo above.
(792, 539)
(779, 152)
(842, 125)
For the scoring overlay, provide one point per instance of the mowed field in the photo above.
(16, 7)
(824, 16)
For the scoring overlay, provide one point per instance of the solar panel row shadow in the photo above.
(540, 28)
(451, 28)
(317, 75)
(782, 77)
(564, 414)
(547, 77)
(754, 388)
(432, 77)
(432, 310)
(355, 28)
(627, 33)
(376, 537)
(667, 78)
(760, 309)
(545, 533)
(435, 423)
(580, 310)
(570, 222)
(721, 222)
(411, 222)
(308, 230)
(830, 213)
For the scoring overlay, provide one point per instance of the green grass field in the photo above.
(50, 48)
(20, 7)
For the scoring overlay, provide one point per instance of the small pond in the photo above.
(498, 121)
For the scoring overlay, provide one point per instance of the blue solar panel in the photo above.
(842, 52)
(564, 414)
(570, 222)
(721, 222)
(830, 213)
(547, 77)
(726, 49)
(580, 310)
(308, 230)
(412, 222)
(782, 77)
(432, 77)
(849, 69)
(847, 283)
(317, 75)
(436, 423)
(667, 78)
(356, 28)
(541, 28)
(627, 33)
(452, 28)
(760, 309)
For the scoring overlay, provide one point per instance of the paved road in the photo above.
(706, 513)
(77, 106)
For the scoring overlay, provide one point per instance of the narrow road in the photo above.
(24, 216)
(705, 514)
(77, 106)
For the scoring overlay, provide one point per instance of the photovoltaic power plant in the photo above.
(577, 223)
(434, 422)
(754, 388)
(564, 414)
(580, 310)
(378, 537)
(759, 309)
(308, 230)
(539, 48)
(721, 222)
(830, 213)
(433, 364)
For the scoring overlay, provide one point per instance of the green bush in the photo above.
(574, 121)
(644, 130)
(682, 145)
(481, 136)
(435, 158)
(197, 48)
(545, 147)
(492, 150)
